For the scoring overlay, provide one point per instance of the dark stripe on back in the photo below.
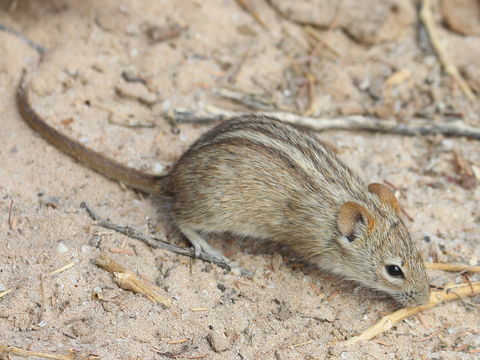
(292, 167)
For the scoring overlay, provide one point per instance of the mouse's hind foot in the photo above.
(200, 245)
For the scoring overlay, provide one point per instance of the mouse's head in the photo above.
(377, 251)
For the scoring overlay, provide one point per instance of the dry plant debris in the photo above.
(158, 243)
(436, 297)
(62, 269)
(6, 292)
(127, 280)
(427, 19)
(6, 351)
(245, 5)
(353, 123)
(452, 267)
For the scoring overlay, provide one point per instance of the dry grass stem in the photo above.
(11, 224)
(5, 293)
(407, 215)
(250, 100)
(312, 107)
(177, 341)
(62, 269)
(127, 280)
(129, 122)
(236, 68)
(6, 351)
(427, 19)
(321, 43)
(122, 251)
(433, 334)
(246, 6)
(452, 267)
(436, 297)
(301, 344)
(197, 309)
(42, 290)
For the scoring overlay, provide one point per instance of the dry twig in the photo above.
(6, 292)
(157, 243)
(352, 123)
(316, 35)
(452, 267)
(127, 280)
(40, 49)
(158, 33)
(245, 5)
(451, 69)
(11, 221)
(62, 269)
(436, 297)
(5, 351)
(250, 100)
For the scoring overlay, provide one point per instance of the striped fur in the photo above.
(256, 176)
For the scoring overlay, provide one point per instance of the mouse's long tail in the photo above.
(131, 177)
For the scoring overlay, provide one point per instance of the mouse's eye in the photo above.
(395, 271)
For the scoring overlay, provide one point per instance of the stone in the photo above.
(218, 341)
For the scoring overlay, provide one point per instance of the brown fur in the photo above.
(256, 176)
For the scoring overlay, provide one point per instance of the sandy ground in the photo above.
(375, 60)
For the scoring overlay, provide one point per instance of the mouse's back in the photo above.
(260, 172)
(262, 178)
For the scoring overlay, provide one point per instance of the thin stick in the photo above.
(452, 267)
(39, 48)
(433, 334)
(245, 5)
(62, 269)
(352, 123)
(314, 33)
(436, 297)
(452, 70)
(127, 280)
(312, 108)
(407, 215)
(6, 350)
(10, 218)
(111, 111)
(233, 73)
(158, 243)
(252, 101)
(178, 341)
(42, 290)
(6, 292)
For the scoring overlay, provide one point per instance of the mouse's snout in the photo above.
(415, 297)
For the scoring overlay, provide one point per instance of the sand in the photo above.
(376, 60)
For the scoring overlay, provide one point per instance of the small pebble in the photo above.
(218, 341)
(42, 323)
(183, 137)
(85, 249)
(80, 329)
(158, 169)
(84, 140)
(62, 248)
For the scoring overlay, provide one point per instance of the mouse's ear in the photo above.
(385, 195)
(349, 215)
